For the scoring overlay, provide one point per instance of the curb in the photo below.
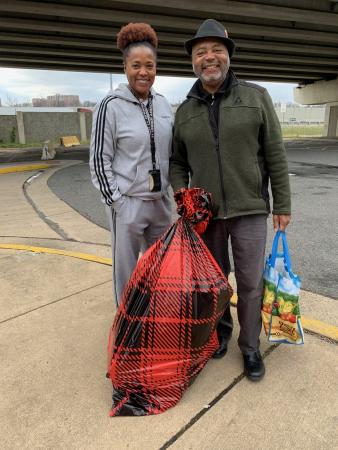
(25, 168)
(311, 325)
(54, 251)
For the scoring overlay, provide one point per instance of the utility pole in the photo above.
(111, 81)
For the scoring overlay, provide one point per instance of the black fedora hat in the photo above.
(210, 28)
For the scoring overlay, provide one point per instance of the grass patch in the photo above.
(288, 131)
(32, 144)
(295, 131)
(17, 145)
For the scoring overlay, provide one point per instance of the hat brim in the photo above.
(229, 43)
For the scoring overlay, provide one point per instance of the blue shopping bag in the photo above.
(280, 309)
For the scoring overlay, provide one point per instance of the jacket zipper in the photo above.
(216, 137)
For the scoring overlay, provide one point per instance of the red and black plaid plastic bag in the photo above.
(164, 331)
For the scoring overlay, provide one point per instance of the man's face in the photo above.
(210, 60)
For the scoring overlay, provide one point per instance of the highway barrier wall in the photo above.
(34, 125)
(8, 129)
(26, 127)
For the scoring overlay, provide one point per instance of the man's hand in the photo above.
(280, 222)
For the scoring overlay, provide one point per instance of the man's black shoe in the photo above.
(254, 367)
(222, 349)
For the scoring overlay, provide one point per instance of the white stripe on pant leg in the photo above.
(111, 215)
(114, 257)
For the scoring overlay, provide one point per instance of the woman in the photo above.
(129, 154)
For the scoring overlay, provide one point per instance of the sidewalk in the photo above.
(55, 312)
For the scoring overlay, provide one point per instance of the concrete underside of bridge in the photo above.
(289, 40)
(322, 92)
(277, 40)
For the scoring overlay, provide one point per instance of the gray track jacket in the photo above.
(120, 155)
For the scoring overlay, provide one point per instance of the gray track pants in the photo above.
(135, 226)
(248, 239)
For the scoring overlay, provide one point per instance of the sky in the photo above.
(22, 85)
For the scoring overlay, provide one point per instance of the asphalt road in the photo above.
(312, 234)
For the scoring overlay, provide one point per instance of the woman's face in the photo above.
(140, 69)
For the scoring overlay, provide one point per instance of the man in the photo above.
(227, 140)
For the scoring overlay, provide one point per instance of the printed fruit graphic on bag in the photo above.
(280, 308)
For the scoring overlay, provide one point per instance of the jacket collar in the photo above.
(199, 93)
(122, 91)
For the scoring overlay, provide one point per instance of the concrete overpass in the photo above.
(277, 40)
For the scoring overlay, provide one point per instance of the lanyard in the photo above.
(148, 114)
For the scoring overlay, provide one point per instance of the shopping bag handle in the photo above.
(285, 255)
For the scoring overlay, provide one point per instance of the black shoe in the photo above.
(222, 349)
(254, 367)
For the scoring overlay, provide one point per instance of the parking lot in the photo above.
(312, 234)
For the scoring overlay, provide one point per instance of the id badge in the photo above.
(154, 180)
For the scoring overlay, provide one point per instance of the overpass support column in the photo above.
(83, 131)
(331, 121)
(319, 93)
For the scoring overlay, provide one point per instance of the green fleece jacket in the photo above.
(235, 160)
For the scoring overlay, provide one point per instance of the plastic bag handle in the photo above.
(285, 254)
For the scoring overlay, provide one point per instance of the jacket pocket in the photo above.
(118, 205)
(140, 185)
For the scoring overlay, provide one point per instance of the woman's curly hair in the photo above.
(136, 32)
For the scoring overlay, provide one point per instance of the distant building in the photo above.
(57, 100)
(39, 102)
